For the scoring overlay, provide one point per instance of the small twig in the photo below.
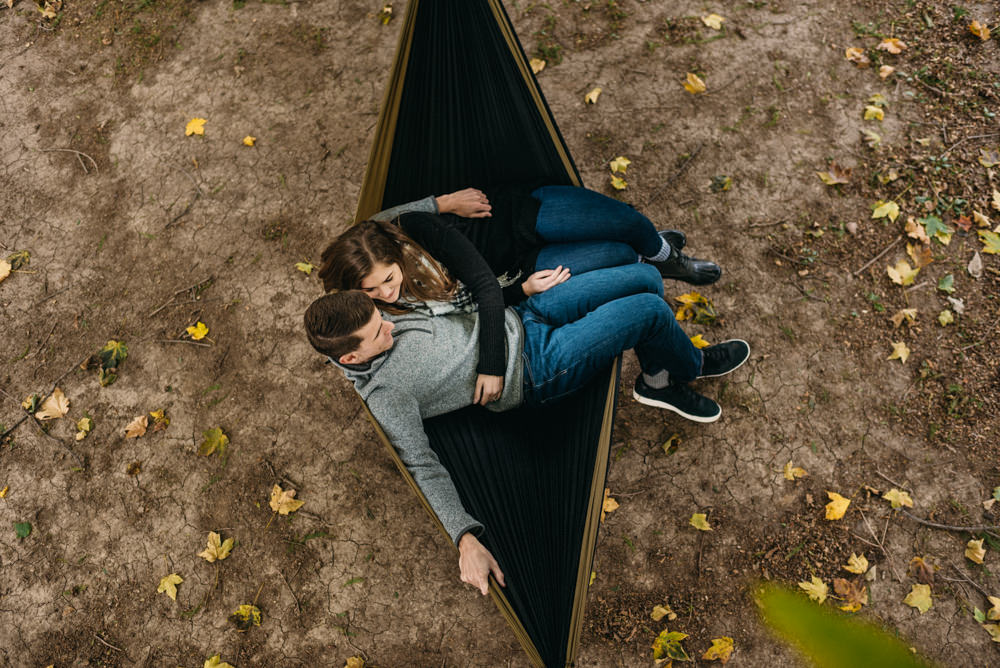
(875, 259)
(947, 527)
(676, 175)
(187, 341)
(109, 645)
(881, 546)
(924, 83)
(259, 590)
(756, 225)
(890, 480)
(966, 578)
(13, 427)
(965, 139)
(78, 154)
(917, 286)
(984, 339)
(864, 540)
(178, 292)
(292, 591)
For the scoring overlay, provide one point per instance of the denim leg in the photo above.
(584, 293)
(583, 256)
(561, 359)
(576, 214)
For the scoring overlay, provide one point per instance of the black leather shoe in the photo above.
(724, 357)
(683, 268)
(675, 238)
(680, 399)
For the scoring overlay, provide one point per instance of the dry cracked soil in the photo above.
(136, 231)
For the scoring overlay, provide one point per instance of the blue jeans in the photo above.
(575, 330)
(585, 230)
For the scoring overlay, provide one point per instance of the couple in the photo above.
(515, 328)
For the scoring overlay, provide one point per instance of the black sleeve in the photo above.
(513, 294)
(465, 263)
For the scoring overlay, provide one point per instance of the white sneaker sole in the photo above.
(670, 407)
(719, 375)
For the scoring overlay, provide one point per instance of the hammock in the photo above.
(462, 107)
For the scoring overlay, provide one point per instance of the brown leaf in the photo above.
(854, 595)
(857, 56)
(922, 570)
(964, 222)
(921, 255)
(137, 427)
(55, 406)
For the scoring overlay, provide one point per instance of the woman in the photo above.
(502, 247)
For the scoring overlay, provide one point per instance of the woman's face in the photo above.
(383, 282)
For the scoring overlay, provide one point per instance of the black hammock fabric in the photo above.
(462, 108)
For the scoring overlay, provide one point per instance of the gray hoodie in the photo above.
(431, 370)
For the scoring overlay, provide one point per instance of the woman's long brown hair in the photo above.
(353, 255)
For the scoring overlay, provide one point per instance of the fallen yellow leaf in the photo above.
(919, 598)
(993, 630)
(980, 219)
(137, 427)
(907, 314)
(3, 492)
(217, 549)
(245, 616)
(946, 317)
(898, 498)
(84, 425)
(661, 611)
(168, 585)
(994, 612)
(249, 140)
(979, 30)
(537, 65)
(385, 15)
(921, 258)
(857, 56)
(284, 501)
(198, 331)
(305, 267)
(355, 662)
(885, 71)
(620, 164)
(698, 342)
(4, 269)
(856, 564)
(591, 97)
(974, 551)
(902, 273)
(915, 230)
(694, 84)
(885, 209)
(891, 45)
(215, 440)
(217, 662)
(721, 650)
(874, 113)
(793, 472)
(196, 126)
(55, 406)
(713, 21)
(900, 351)
(609, 505)
(853, 595)
(700, 522)
(837, 506)
(816, 589)
(618, 183)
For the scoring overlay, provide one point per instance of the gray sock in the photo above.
(658, 380)
(664, 254)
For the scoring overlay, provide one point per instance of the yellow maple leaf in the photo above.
(216, 662)
(873, 139)
(385, 15)
(793, 472)
(245, 616)
(900, 351)
(991, 242)
(537, 65)
(698, 342)
(593, 576)
(856, 564)
(160, 420)
(993, 630)
(994, 612)
(974, 551)
(591, 97)
(891, 45)
(661, 611)
(620, 164)
(249, 140)
(836, 175)
(284, 501)
(215, 441)
(980, 219)
(885, 209)
(979, 30)
(55, 406)
(857, 56)
(907, 314)
(217, 548)
(609, 505)
(700, 522)
(988, 158)
(995, 202)
(902, 273)
(355, 662)
(168, 585)
(198, 331)
(196, 126)
(816, 589)
(713, 21)
(898, 498)
(837, 506)
(137, 427)
(694, 84)
(874, 113)
(84, 425)
(946, 317)
(922, 257)
(5, 268)
(915, 230)
(618, 183)
(919, 598)
(305, 267)
(721, 650)
(885, 70)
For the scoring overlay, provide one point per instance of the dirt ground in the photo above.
(146, 231)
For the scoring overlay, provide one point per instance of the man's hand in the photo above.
(476, 564)
(468, 203)
(540, 281)
(488, 388)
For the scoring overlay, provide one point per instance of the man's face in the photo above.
(376, 338)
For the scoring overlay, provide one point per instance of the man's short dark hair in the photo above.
(332, 321)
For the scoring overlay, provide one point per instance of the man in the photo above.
(409, 367)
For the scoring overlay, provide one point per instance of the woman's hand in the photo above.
(488, 388)
(476, 564)
(540, 281)
(468, 203)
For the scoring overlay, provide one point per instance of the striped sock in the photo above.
(664, 254)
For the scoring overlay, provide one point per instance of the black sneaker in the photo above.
(724, 357)
(675, 238)
(683, 268)
(679, 398)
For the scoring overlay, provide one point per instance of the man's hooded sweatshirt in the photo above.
(431, 370)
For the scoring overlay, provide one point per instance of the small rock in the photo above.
(852, 228)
